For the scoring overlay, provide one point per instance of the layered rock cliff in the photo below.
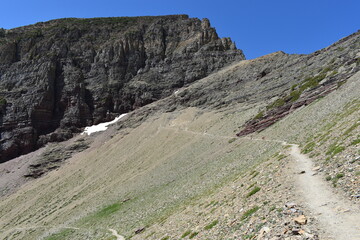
(59, 76)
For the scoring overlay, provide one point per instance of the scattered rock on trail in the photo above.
(290, 205)
(317, 168)
(301, 220)
(262, 233)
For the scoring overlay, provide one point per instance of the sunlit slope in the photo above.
(183, 148)
(331, 120)
(140, 173)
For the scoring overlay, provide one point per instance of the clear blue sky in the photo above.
(258, 27)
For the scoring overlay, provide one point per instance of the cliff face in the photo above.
(59, 76)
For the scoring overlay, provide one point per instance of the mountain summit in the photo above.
(196, 142)
(59, 76)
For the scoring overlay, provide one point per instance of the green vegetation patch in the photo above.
(253, 184)
(296, 91)
(355, 142)
(259, 115)
(103, 213)
(272, 208)
(335, 149)
(327, 69)
(254, 174)
(312, 82)
(211, 225)
(352, 128)
(249, 236)
(294, 86)
(193, 235)
(278, 103)
(337, 177)
(186, 233)
(249, 212)
(252, 192)
(107, 211)
(308, 147)
(294, 95)
(281, 156)
(64, 234)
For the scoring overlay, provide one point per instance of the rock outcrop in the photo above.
(59, 76)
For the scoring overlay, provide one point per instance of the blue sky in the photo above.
(258, 27)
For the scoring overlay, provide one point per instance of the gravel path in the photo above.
(338, 217)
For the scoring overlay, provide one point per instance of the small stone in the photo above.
(301, 232)
(293, 210)
(302, 172)
(296, 231)
(290, 205)
(317, 168)
(302, 220)
(262, 232)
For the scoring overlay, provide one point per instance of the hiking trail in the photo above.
(338, 218)
(115, 233)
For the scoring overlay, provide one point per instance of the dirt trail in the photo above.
(196, 133)
(115, 233)
(338, 217)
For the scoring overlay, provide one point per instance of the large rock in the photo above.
(59, 76)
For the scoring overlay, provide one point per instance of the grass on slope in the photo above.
(162, 166)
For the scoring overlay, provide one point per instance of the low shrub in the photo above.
(252, 192)
(193, 235)
(249, 212)
(186, 233)
(211, 225)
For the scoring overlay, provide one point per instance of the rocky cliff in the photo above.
(59, 76)
(273, 86)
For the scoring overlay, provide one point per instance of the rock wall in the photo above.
(59, 76)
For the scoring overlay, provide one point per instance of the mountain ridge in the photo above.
(175, 169)
(70, 73)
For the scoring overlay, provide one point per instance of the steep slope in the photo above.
(175, 168)
(61, 75)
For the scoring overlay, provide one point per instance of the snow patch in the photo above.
(101, 126)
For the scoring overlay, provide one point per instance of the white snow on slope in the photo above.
(101, 126)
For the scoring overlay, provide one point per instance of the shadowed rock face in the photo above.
(59, 76)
